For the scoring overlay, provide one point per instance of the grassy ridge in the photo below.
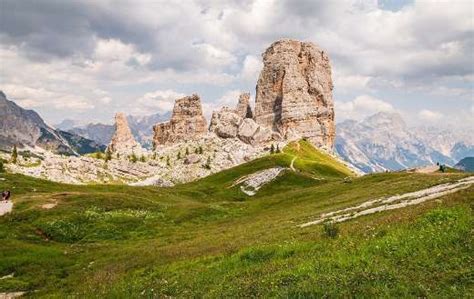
(207, 239)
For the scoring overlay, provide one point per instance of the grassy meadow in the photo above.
(208, 239)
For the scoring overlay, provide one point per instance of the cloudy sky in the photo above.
(88, 59)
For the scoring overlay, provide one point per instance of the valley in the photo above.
(195, 238)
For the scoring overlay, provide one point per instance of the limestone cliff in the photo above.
(294, 92)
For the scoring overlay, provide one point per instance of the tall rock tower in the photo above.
(123, 141)
(187, 122)
(294, 92)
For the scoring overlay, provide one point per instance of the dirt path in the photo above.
(5, 207)
(393, 202)
(292, 163)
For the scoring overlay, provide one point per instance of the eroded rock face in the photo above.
(123, 141)
(243, 108)
(187, 122)
(294, 92)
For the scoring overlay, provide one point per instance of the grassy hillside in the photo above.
(207, 239)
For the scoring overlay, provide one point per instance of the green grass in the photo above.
(207, 239)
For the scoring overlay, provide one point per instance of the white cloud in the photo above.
(430, 116)
(159, 101)
(251, 69)
(361, 107)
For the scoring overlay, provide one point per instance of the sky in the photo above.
(87, 59)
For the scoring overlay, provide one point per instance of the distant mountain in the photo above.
(141, 127)
(466, 164)
(384, 142)
(25, 128)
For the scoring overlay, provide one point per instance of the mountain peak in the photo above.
(385, 119)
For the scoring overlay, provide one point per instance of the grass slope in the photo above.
(206, 239)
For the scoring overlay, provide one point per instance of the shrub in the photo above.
(200, 150)
(99, 155)
(278, 149)
(187, 151)
(133, 158)
(179, 156)
(208, 163)
(108, 155)
(14, 155)
(272, 149)
(330, 229)
(2, 168)
(142, 158)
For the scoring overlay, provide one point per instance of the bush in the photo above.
(330, 229)
(142, 158)
(108, 155)
(2, 168)
(133, 158)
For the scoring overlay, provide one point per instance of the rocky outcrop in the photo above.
(234, 123)
(187, 122)
(243, 108)
(294, 92)
(123, 141)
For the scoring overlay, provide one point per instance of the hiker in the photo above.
(5, 195)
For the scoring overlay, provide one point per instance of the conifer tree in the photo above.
(14, 155)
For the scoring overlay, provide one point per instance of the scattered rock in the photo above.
(252, 183)
(192, 159)
(294, 92)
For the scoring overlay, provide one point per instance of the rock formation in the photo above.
(243, 108)
(187, 122)
(237, 123)
(123, 142)
(294, 92)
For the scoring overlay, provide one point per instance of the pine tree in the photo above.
(200, 150)
(168, 161)
(2, 168)
(142, 158)
(133, 158)
(272, 149)
(179, 156)
(196, 150)
(187, 151)
(278, 149)
(14, 155)
(208, 163)
(108, 155)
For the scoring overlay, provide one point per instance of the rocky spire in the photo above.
(123, 141)
(294, 92)
(187, 122)
(243, 108)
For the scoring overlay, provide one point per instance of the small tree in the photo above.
(179, 156)
(108, 155)
(200, 150)
(133, 158)
(118, 155)
(14, 155)
(278, 149)
(196, 150)
(208, 163)
(330, 230)
(272, 149)
(142, 158)
(2, 168)
(154, 156)
(187, 151)
(168, 161)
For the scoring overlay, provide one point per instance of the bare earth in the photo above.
(392, 202)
